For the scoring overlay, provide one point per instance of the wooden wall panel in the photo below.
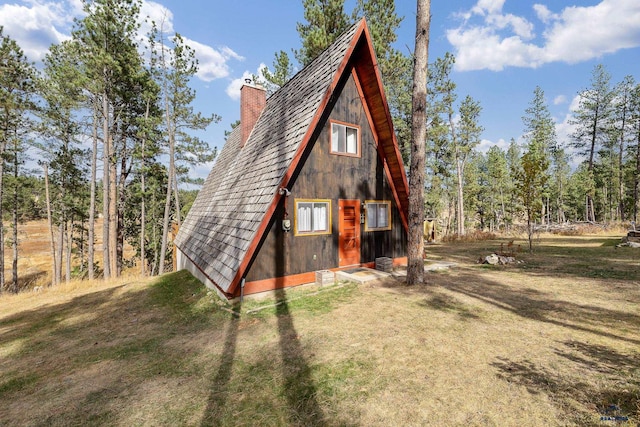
(329, 176)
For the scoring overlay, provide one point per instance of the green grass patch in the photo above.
(345, 379)
(17, 384)
(187, 299)
(315, 302)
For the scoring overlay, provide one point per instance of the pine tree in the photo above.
(622, 107)
(635, 145)
(530, 181)
(415, 245)
(497, 179)
(116, 81)
(477, 197)
(558, 183)
(513, 205)
(464, 142)
(439, 156)
(282, 72)
(395, 68)
(17, 90)
(173, 74)
(326, 20)
(533, 176)
(540, 131)
(62, 98)
(592, 120)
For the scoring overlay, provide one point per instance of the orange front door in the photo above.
(349, 228)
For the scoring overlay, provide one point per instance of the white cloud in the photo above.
(480, 48)
(38, 26)
(521, 27)
(583, 33)
(543, 13)
(76, 7)
(560, 99)
(577, 33)
(152, 12)
(233, 90)
(575, 103)
(486, 144)
(488, 7)
(212, 63)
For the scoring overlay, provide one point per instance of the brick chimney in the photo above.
(253, 98)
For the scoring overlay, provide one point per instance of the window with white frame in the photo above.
(345, 139)
(312, 217)
(378, 215)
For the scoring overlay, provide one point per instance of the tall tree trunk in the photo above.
(68, 241)
(167, 214)
(143, 221)
(178, 219)
(54, 259)
(590, 210)
(113, 213)
(60, 249)
(14, 264)
(503, 215)
(120, 210)
(156, 254)
(106, 173)
(460, 190)
(636, 180)
(167, 204)
(529, 230)
(415, 249)
(92, 199)
(143, 259)
(2, 277)
(623, 125)
(81, 247)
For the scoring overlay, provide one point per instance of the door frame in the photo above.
(342, 261)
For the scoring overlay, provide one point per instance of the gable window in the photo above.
(312, 217)
(345, 139)
(378, 215)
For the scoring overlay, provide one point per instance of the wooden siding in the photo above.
(323, 175)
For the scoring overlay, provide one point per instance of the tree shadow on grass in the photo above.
(219, 385)
(540, 380)
(447, 303)
(82, 361)
(543, 307)
(600, 358)
(614, 392)
(45, 319)
(299, 387)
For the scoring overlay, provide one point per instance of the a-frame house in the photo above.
(312, 179)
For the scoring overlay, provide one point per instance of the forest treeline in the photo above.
(593, 176)
(105, 129)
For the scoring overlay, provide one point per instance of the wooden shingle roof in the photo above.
(240, 194)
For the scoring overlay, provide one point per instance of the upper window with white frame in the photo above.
(312, 217)
(378, 215)
(345, 139)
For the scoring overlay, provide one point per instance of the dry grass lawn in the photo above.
(552, 341)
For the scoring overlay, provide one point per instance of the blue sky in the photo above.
(504, 48)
